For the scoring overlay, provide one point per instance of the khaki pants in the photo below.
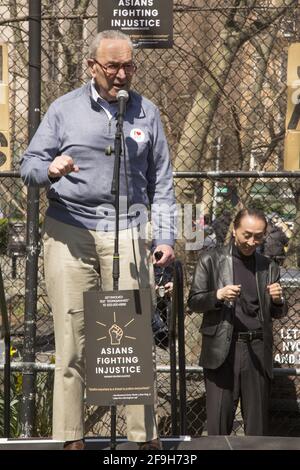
(78, 260)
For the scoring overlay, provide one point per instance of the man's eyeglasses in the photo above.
(113, 69)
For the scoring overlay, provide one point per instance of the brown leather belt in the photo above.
(248, 335)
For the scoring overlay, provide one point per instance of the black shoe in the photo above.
(74, 445)
(155, 444)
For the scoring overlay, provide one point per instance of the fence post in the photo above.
(32, 237)
(173, 357)
(177, 319)
(181, 348)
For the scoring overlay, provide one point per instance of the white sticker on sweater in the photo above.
(137, 134)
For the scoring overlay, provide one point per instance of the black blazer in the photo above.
(214, 270)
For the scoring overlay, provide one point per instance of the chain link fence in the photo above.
(221, 91)
(220, 198)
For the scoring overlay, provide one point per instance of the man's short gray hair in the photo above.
(108, 34)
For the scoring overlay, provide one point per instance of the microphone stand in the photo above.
(115, 190)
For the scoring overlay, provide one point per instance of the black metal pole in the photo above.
(173, 361)
(28, 400)
(116, 258)
(115, 190)
(6, 334)
(7, 388)
(181, 348)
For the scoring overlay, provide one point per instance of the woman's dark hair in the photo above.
(257, 213)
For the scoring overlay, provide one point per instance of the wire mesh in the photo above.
(221, 91)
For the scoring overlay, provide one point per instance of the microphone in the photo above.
(122, 97)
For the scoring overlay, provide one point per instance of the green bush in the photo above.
(15, 400)
(43, 405)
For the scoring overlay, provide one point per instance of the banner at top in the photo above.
(149, 23)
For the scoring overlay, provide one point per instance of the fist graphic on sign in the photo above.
(116, 334)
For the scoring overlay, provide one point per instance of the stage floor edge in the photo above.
(181, 443)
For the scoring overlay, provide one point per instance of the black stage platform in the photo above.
(211, 443)
(181, 443)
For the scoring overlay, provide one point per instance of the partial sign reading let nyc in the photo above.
(290, 347)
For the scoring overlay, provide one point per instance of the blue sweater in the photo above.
(77, 126)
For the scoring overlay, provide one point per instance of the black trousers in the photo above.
(242, 377)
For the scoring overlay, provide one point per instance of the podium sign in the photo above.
(118, 339)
